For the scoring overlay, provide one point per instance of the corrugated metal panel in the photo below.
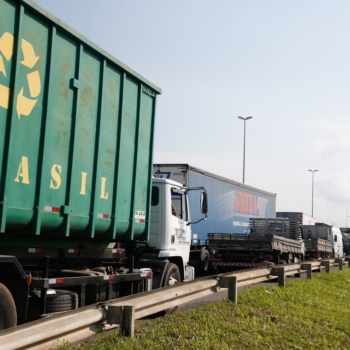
(76, 127)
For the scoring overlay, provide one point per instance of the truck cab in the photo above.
(170, 232)
(169, 229)
(337, 241)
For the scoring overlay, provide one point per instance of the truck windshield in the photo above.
(178, 204)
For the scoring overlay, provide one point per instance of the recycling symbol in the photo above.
(24, 104)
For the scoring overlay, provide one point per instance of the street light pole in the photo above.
(312, 200)
(244, 119)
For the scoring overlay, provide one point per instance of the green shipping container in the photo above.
(76, 136)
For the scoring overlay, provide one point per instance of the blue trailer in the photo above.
(231, 205)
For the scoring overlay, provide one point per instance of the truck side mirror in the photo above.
(204, 203)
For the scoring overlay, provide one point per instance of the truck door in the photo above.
(180, 231)
(337, 243)
(336, 246)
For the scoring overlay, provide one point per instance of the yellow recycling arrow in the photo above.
(4, 96)
(29, 55)
(6, 48)
(34, 83)
(6, 45)
(24, 105)
(2, 67)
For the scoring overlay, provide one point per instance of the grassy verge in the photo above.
(306, 314)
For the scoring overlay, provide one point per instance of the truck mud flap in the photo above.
(158, 268)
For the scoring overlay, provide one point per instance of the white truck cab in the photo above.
(170, 231)
(337, 241)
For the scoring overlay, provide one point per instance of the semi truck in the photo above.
(82, 220)
(324, 232)
(231, 206)
(269, 241)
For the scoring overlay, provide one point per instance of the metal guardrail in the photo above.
(79, 324)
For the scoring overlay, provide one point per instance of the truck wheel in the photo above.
(205, 262)
(8, 313)
(61, 300)
(172, 275)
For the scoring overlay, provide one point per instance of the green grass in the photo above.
(306, 314)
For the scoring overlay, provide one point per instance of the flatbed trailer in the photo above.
(252, 250)
(317, 248)
(270, 241)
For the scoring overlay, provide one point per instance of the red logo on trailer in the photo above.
(245, 203)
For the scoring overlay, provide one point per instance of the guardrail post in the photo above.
(281, 277)
(339, 261)
(327, 264)
(308, 268)
(279, 271)
(124, 315)
(348, 260)
(232, 289)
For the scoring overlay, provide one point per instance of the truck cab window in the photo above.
(155, 196)
(178, 205)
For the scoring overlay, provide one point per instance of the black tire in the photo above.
(8, 313)
(172, 276)
(62, 300)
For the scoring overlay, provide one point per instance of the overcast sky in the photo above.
(286, 63)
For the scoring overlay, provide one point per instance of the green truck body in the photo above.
(76, 130)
